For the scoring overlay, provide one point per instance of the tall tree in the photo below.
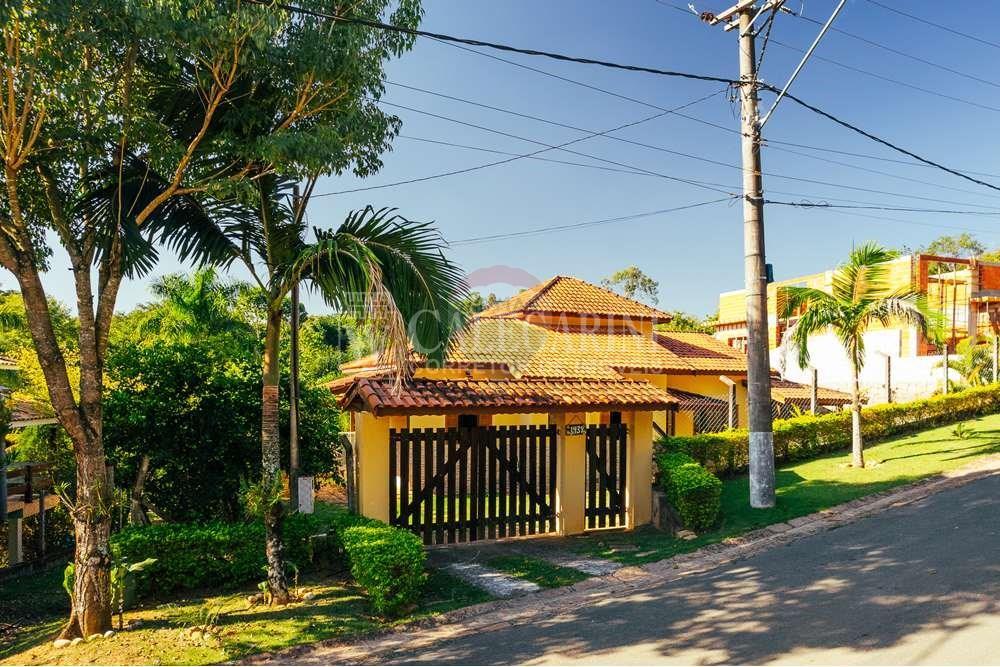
(633, 283)
(860, 297)
(385, 270)
(123, 126)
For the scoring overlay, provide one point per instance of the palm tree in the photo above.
(192, 307)
(387, 271)
(860, 297)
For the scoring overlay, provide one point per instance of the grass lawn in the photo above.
(537, 571)
(338, 610)
(810, 486)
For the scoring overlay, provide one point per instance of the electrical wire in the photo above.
(627, 166)
(888, 79)
(619, 66)
(591, 223)
(702, 184)
(493, 45)
(903, 54)
(935, 25)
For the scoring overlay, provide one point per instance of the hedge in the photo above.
(693, 491)
(387, 562)
(214, 554)
(808, 436)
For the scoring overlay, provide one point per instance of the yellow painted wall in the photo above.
(571, 482)
(639, 484)
(372, 442)
(426, 421)
(530, 419)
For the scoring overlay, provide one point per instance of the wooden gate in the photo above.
(607, 445)
(462, 484)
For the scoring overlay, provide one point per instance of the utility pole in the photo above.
(755, 273)
(293, 388)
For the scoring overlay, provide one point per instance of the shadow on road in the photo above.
(865, 586)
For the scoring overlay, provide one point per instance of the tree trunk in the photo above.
(137, 511)
(857, 446)
(91, 603)
(271, 457)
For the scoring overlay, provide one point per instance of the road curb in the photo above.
(547, 604)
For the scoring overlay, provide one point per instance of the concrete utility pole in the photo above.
(758, 357)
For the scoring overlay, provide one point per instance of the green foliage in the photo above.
(963, 431)
(808, 436)
(681, 321)
(387, 562)
(974, 363)
(633, 283)
(260, 496)
(195, 411)
(693, 491)
(215, 554)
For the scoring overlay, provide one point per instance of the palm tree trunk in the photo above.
(271, 457)
(857, 446)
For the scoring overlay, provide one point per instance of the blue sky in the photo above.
(693, 254)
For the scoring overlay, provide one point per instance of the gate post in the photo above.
(571, 474)
(371, 446)
(639, 483)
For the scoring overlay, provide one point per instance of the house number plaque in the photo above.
(576, 429)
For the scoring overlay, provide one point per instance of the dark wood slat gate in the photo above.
(607, 447)
(473, 483)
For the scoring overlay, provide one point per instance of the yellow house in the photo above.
(541, 420)
(965, 291)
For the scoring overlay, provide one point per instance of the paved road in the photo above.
(918, 584)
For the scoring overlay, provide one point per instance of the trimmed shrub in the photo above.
(387, 562)
(694, 492)
(215, 554)
(808, 436)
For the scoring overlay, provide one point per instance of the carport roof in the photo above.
(380, 396)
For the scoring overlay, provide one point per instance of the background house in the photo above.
(965, 291)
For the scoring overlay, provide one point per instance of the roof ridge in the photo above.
(546, 286)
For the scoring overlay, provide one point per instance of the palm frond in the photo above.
(791, 299)
(185, 224)
(388, 269)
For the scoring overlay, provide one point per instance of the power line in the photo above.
(483, 149)
(904, 54)
(632, 172)
(888, 79)
(707, 186)
(494, 45)
(612, 65)
(935, 25)
(606, 134)
(905, 209)
(590, 223)
(695, 119)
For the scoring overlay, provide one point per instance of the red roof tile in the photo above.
(420, 396)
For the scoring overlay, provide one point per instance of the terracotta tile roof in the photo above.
(787, 391)
(419, 396)
(703, 352)
(572, 296)
(530, 350)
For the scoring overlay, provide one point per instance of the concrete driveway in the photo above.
(919, 584)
